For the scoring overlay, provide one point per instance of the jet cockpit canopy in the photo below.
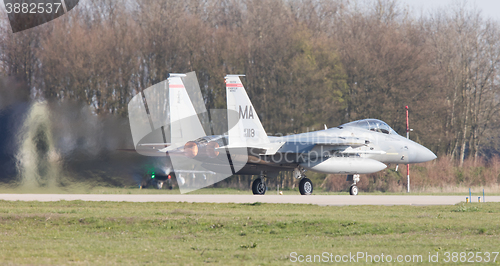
(371, 124)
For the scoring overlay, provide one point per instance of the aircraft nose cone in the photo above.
(420, 154)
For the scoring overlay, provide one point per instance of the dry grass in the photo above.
(441, 175)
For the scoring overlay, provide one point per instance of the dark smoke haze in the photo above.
(62, 144)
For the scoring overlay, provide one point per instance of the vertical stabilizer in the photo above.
(248, 130)
(185, 125)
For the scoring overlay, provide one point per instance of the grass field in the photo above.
(104, 233)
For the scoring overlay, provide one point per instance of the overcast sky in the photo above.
(489, 8)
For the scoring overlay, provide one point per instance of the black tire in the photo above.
(258, 187)
(353, 190)
(305, 186)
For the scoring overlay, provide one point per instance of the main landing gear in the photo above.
(305, 184)
(259, 187)
(353, 190)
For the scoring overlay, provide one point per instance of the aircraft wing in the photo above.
(299, 145)
(324, 140)
(260, 149)
(350, 150)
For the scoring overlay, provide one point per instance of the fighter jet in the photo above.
(359, 147)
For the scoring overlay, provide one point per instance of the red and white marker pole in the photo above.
(408, 137)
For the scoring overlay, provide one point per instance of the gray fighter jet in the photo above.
(359, 147)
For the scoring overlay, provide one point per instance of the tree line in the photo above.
(307, 62)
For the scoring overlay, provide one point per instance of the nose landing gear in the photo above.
(353, 190)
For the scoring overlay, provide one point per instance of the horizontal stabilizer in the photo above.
(159, 145)
(154, 152)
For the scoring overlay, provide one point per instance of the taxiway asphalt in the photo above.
(332, 200)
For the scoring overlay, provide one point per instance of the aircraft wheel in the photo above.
(353, 190)
(305, 186)
(258, 187)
